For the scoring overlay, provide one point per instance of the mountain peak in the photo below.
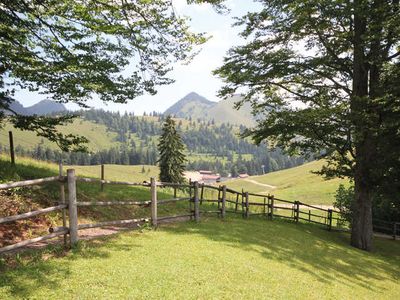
(196, 106)
(43, 107)
(188, 105)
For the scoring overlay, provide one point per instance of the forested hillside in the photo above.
(129, 139)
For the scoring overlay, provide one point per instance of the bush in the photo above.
(344, 199)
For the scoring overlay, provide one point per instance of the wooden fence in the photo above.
(221, 200)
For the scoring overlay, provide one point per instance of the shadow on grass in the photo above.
(49, 267)
(325, 255)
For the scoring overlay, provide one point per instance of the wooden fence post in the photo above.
(219, 198)
(223, 201)
(102, 177)
(174, 191)
(243, 204)
(237, 202)
(202, 193)
(72, 208)
(297, 203)
(329, 219)
(272, 207)
(265, 207)
(12, 154)
(196, 202)
(62, 201)
(191, 199)
(153, 189)
(247, 205)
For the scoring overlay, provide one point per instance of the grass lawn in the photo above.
(229, 259)
(292, 184)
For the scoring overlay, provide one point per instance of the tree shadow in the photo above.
(325, 255)
(49, 267)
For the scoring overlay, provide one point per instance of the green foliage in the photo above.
(302, 53)
(344, 201)
(320, 77)
(172, 158)
(256, 259)
(72, 50)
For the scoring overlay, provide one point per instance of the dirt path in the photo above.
(261, 184)
(93, 233)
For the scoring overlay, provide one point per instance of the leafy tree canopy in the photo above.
(72, 50)
(323, 75)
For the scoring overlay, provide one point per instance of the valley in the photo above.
(127, 139)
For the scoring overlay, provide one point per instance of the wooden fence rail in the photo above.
(227, 201)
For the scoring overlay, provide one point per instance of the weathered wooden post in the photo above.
(297, 205)
(175, 192)
(394, 230)
(153, 189)
(265, 207)
(247, 205)
(237, 202)
(243, 204)
(72, 208)
(62, 200)
(309, 215)
(12, 154)
(202, 193)
(223, 201)
(191, 198)
(102, 177)
(329, 219)
(272, 206)
(219, 198)
(196, 202)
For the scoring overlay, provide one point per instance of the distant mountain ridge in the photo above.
(43, 107)
(196, 106)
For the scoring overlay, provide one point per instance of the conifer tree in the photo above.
(172, 159)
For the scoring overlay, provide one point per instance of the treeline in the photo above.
(220, 142)
(136, 143)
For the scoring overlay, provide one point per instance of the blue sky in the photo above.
(197, 75)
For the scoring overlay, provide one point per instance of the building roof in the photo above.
(244, 175)
(205, 172)
(211, 177)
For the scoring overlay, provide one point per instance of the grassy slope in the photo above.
(118, 172)
(294, 184)
(29, 168)
(97, 134)
(213, 259)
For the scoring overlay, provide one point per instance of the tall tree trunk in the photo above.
(361, 231)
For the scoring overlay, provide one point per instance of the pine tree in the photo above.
(172, 159)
